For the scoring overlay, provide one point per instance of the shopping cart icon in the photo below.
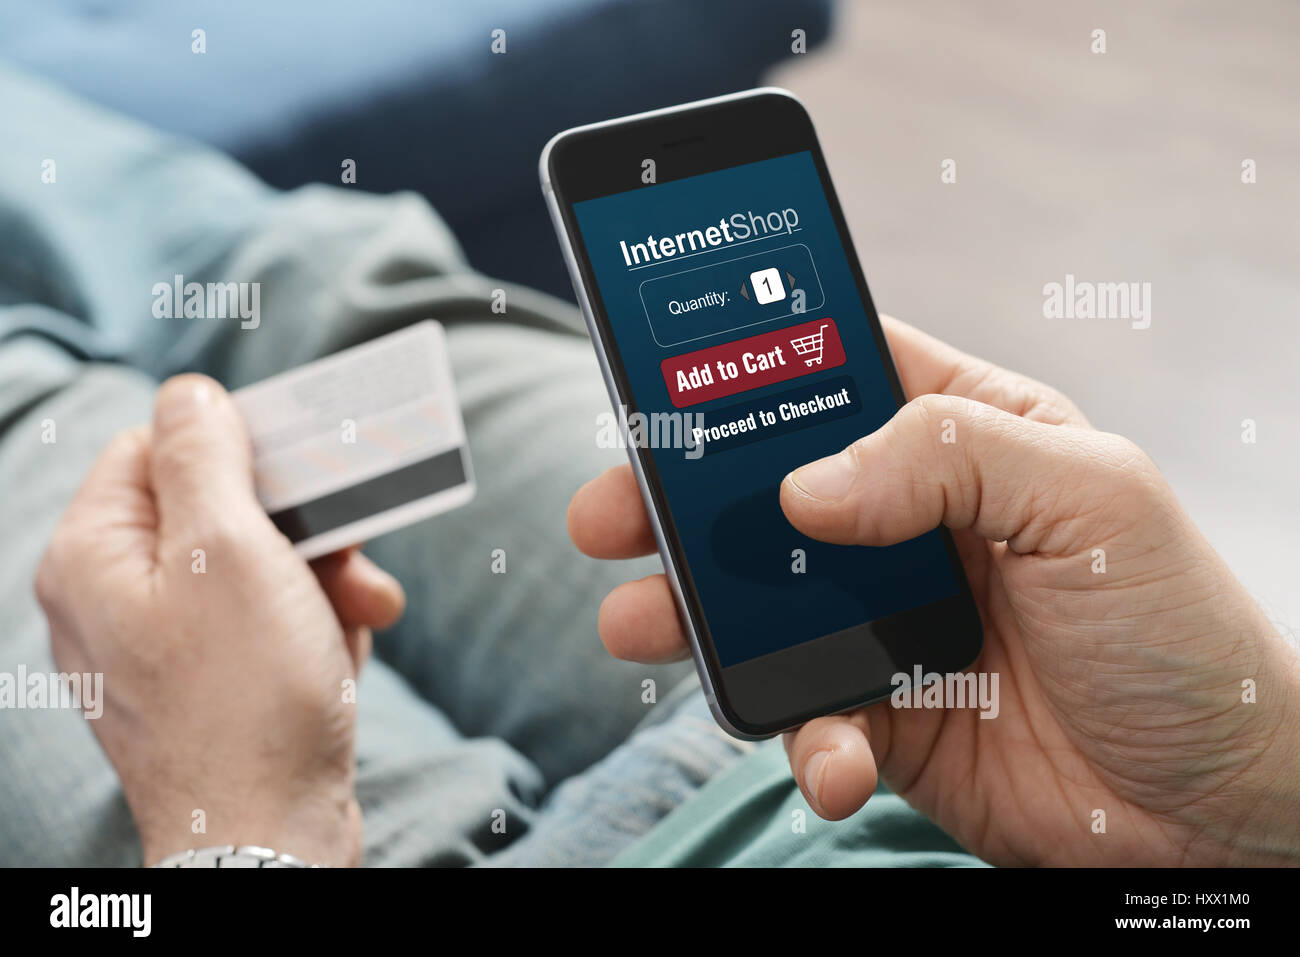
(811, 346)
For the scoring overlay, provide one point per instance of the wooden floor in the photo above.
(1117, 167)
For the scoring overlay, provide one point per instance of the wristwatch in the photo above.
(228, 855)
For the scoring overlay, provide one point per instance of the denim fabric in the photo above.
(494, 688)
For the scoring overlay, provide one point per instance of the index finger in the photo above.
(115, 496)
(927, 365)
(607, 518)
(111, 521)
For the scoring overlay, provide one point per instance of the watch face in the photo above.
(228, 855)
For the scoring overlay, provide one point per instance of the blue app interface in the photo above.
(748, 353)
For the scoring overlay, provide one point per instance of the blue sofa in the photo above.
(409, 90)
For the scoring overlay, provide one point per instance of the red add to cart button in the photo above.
(745, 364)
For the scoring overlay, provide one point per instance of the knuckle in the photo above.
(218, 534)
(1125, 467)
(1135, 493)
(1123, 456)
(125, 440)
(175, 459)
(944, 417)
(1056, 408)
(303, 696)
(1035, 401)
(958, 427)
(46, 584)
(57, 565)
(929, 406)
(932, 409)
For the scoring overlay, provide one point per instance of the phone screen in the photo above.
(747, 351)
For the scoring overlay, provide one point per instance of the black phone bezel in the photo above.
(790, 686)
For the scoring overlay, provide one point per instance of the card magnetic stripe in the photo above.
(369, 498)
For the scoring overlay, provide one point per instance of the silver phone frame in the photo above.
(602, 355)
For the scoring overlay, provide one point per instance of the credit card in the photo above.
(361, 442)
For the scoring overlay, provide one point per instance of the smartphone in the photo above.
(738, 341)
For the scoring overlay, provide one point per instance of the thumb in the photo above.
(953, 461)
(201, 466)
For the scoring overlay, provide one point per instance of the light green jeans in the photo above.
(493, 694)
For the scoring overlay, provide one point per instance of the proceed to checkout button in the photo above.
(744, 364)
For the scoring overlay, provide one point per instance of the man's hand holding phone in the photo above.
(1123, 691)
